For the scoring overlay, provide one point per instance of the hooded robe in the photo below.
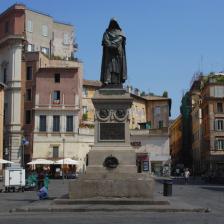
(114, 67)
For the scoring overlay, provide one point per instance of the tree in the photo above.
(165, 94)
(85, 117)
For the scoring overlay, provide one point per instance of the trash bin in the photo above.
(167, 187)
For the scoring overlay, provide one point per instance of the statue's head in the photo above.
(113, 24)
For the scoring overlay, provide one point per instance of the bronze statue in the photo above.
(114, 66)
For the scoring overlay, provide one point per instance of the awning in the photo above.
(41, 162)
(67, 161)
(3, 161)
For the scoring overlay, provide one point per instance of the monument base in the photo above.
(115, 185)
(112, 170)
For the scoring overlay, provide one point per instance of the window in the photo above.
(219, 125)
(56, 123)
(219, 144)
(30, 47)
(84, 92)
(219, 108)
(28, 116)
(30, 26)
(45, 50)
(157, 111)
(57, 78)
(5, 75)
(29, 73)
(28, 95)
(56, 97)
(55, 152)
(84, 110)
(66, 39)
(6, 26)
(160, 124)
(69, 123)
(42, 125)
(44, 30)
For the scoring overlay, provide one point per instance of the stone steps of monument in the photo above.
(115, 176)
(109, 201)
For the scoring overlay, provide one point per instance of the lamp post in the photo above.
(63, 175)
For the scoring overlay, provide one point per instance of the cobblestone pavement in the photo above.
(193, 194)
(57, 188)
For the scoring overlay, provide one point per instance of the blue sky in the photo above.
(167, 40)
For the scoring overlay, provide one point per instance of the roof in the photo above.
(39, 12)
(55, 69)
(62, 23)
(155, 97)
(16, 6)
(137, 96)
(95, 83)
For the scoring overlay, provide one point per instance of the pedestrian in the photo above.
(43, 193)
(40, 182)
(46, 180)
(186, 175)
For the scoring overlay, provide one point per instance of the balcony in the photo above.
(157, 131)
(217, 152)
(56, 102)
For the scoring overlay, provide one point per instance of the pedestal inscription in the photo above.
(111, 131)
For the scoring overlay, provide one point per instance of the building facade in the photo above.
(202, 125)
(44, 34)
(151, 137)
(176, 143)
(152, 150)
(57, 111)
(137, 112)
(2, 87)
(12, 38)
(88, 91)
(212, 107)
(24, 32)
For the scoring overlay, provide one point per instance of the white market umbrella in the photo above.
(67, 161)
(41, 162)
(3, 161)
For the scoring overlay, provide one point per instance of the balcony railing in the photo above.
(56, 102)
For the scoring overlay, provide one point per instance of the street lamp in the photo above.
(63, 175)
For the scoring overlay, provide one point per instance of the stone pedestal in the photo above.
(112, 170)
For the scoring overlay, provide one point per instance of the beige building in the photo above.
(152, 150)
(55, 39)
(158, 111)
(88, 91)
(176, 143)
(137, 112)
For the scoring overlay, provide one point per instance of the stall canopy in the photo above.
(67, 161)
(41, 162)
(3, 161)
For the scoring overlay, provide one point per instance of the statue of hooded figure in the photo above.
(114, 66)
